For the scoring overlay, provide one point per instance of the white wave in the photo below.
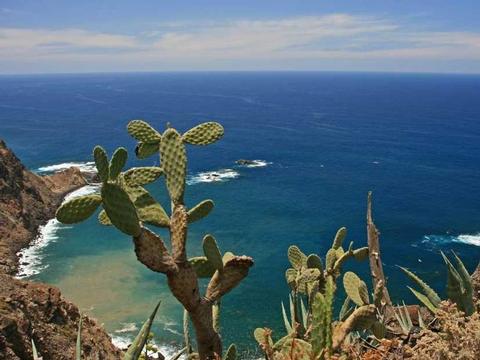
(469, 239)
(85, 190)
(127, 327)
(255, 163)
(31, 257)
(122, 342)
(88, 166)
(213, 176)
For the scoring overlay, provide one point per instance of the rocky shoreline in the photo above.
(32, 310)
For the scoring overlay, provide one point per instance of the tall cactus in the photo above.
(128, 206)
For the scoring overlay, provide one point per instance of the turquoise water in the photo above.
(326, 138)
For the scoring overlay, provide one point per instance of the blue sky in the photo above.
(48, 36)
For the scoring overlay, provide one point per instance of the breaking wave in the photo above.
(469, 239)
(221, 175)
(255, 164)
(88, 166)
(31, 257)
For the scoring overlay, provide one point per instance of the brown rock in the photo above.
(38, 311)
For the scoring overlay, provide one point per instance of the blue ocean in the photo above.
(322, 141)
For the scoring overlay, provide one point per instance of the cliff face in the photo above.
(26, 202)
(31, 310)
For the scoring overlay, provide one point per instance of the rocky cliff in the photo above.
(31, 310)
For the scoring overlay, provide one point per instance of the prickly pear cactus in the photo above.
(174, 163)
(101, 162)
(78, 209)
(200, 211)
(210, 248)
(120, 209)
(356, 289)
(142, 175)
(143, 132)
(118, 161)
(204, 134)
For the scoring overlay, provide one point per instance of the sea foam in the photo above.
(468, 239)
(32, 256)
(88, 166)
(221, 175)
(255, 164)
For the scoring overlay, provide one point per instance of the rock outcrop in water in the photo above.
(31, 310)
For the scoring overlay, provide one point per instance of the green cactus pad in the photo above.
(145, 150)
(296, 257)
(231, 353)
(212, 252)
(118, 161)
(262, 336)
(142, 175)
(174, 163)
(291, 277)
(150, 211)
(135, 349)
(203, 267)
(379, 329)
(120, 209)
(103, 218)
(355, 288)
(307, 276)
(361, 254)
(331, 257)
(200, 211)
(78, 209)
(339, 237)
(314, 262)
(101, 162)
(143, 132)
(204, 134)
(227, 257)
(364, 317)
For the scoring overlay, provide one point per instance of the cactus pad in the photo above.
(227, 257)
(296, 257)
(364, 317)
(120, 209)
(291, 277)
(339, 237)
(103, 218)
(263, 336)
(78, 209)
(203, 134)
(314, 262)
(331, 257)
(144, 150)
(101, 162)
(355, 288)
(200, 210)
(361, 254)
(142, 175)
(143, 132)
(174, 163)
(203, 267)
(118, 161)
(150, 211)
(307, 276)
(212, 252)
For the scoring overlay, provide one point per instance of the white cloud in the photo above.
(288, 43)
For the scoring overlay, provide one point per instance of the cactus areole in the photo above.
(127, 205)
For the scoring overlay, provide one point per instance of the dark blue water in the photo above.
(330, 137)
